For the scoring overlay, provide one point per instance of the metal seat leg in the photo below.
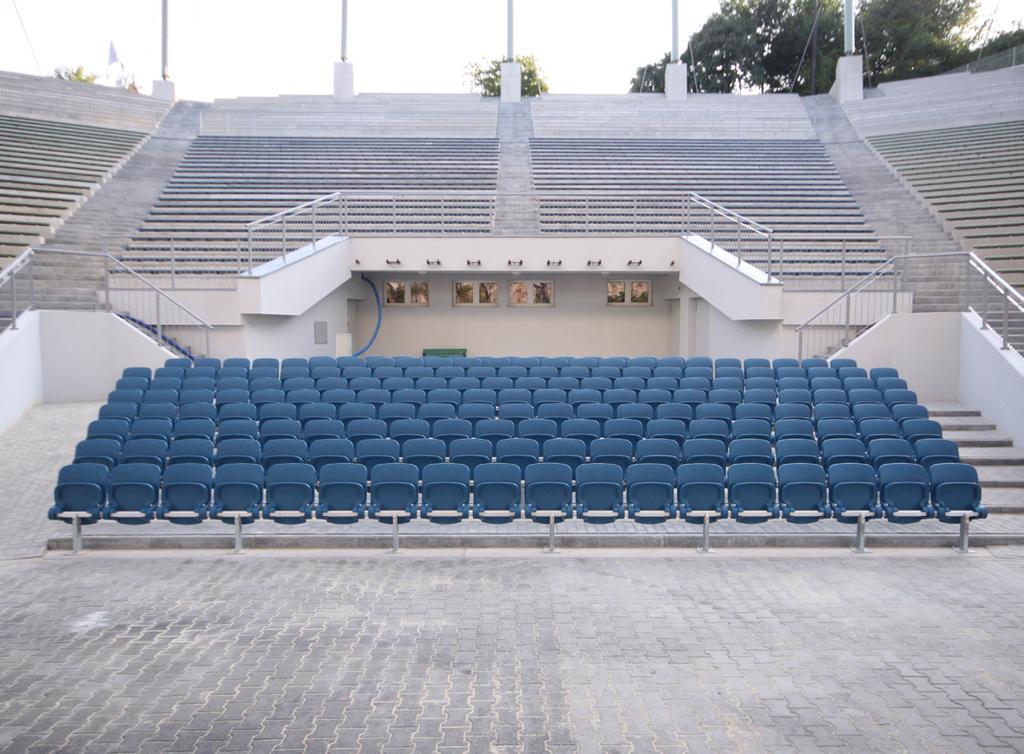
(394, 534)
(238, 535)
(76, 535)
(858, 545)
(551, 549)
(962, 545)
(705, 546)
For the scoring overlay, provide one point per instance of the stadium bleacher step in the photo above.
(1000, 464)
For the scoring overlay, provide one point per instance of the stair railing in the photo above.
(149, 308)
(967, 283)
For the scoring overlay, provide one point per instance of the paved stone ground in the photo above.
(616, 652)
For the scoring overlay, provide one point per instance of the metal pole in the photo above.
(394, 533)
(842, 268)
(106, 280)
(551, 535)
(846, 329)
(895, 289)
(848, 30)
(510, 54)
(675, 31)
(965, 526)
(858, 546)
(984, 300)
(173, 264)
(76, 535)
(238, 534)
(163, 41)
(32, 282)
(705, 546)
(1006, 319)
(14, 301)
(159, 324)
(344, 30)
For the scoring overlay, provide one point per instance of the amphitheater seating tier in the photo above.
(971, 178)
(47, 169)
(645, 438)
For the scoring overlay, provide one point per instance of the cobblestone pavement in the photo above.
(760, 651)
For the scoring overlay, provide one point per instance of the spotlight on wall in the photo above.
(472, 262)
(515, 263)
(392, 261)
(433, 263)
(634, 262)
(554, 263)
(593, 263)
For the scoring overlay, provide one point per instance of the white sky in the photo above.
(226, 48)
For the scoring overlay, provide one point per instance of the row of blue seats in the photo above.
(573, 452)
(447, 493)
(633, 429)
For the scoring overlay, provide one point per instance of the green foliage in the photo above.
(1003, 41)
(485, 77)
(650, 77)
(74, 74)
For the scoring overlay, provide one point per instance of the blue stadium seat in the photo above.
(198, 429)
(185, 498)
(350, 412)
(143, 429)
(538, 430)
(559, 413)
(729, 398)
(190, 450)
(422, 452)
(874, 429)
(903, 411)
(307, 412)
(758, 429)
(921, 429)
(650, 492)
(342, 498)
(864, 411)
(125, 411)
(518, 451)
(803, 493)
(899, 397)
(624, 429)
(672, 429)
(885, 450)
(829, 429)
(291, 491)
(237, 493)
(494, 430)
(433, 412)
(599, 489)
(659, 450)
(691, 397)
(284, 450)
(133, 492)
(752, 492)
(878, 372)
(201, 411)
(480, 395)
(109, 429)
(80, 494)
(446, 492)
(796, 450)
(615, 451)
(853, 492)
(570, 452)
(327, 451)
(599, 412)
(864, 396)
(322, 429)
(831, 411)
(473, 412)
(930, 451)
(260, 397)
(754, 411)
(365, 429)
(237, 450)
(236, 411)
(373, 451)
(642, 412)
(843, 450)
(277, 429)
(449, 430)
(701, 488)
(548, 495)
(705, 450)
(103, 451)
(277, 410)
(905, 494)
(407, 429)
(394, 492)
(617, 396)
(150, 450)
(600, 384)
(229, 429)
(167, 411)
(470, 452)
(750, 450)
(496, 492)
(956, 492)
(338, 397)
(720, 411)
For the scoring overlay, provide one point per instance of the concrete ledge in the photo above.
(414, 540)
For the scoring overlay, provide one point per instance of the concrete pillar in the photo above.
(849, 83)
(344, 84)
(675, 81)
(164, 89)
(511, 82)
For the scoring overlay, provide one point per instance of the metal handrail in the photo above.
(746, 222)
(19, 261)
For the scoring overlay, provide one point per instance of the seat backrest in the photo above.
(189, 473)
(796, 450)
(611, 446)
(560, 446)
(290, 473)
(447, 473)
(704, 447)
(517, 446)
(745, 473)
(650, 472)
(606, 473)
(470, 446)
(548, 472)
(662, 447)
(378, 447)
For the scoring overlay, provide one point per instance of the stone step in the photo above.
(1001, 476)
(988, 439)
(965, 424)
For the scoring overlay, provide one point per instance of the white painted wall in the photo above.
(21, 369)
(289, 286)
(284, 336)
(925, 348)
(991, 379)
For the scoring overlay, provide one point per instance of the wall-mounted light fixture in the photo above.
(392, 261)
(472, 262)
(593, 263)
(554, 263)
(433, 263)
(515, 263)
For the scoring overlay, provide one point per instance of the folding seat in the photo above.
(514, 396)
(891, 383)
(144, 372)
(265, 363)
(878, 373)
(125, 411)
(175, 370)
(284, 450)
(324, 373)
(843, 450)
(599, 412)
(577, 397)
(190, 450)
(664, 387)
(349, 412)
(618, 396)
(322, 429)
(956, 495)
(718, 429)
(677, 362)
(904, 492)
(864, 396)
(201, 362)
(496, 492)
(494, 430)
(419, 373)
(446, 492)
(529, 383)
(847, 370)
(714, 411)
(616, 451)
(448, 430)
(470, 452)
(796, 450)
(330, 450)
(556, 412)
(666, 429)
(165, 411)
(599, 489)
(730, 378)
(462, 384)
(365, 429)
(835, 428)
(79, 496)
(608, 372)
(873, 429)
(642, 361)
(516, 412)
(659, 450)
(512, 372)
(794, 383)
(574, 372)
(350, 361)
(792, 411)
(596, 383)
(233, 373)
(375, 450)
(756, 429)
(142, 429)
(316, 362)
(864, 411)
(174, 383)
(236, 411)
(750, 450)
(258, 373)
(795, 396)
(893, 398)
(160, 396)
(185, 495)
(196, 396)
(814, 372)
(132, 383)
(260, 397)
(269, 411)
(650, 492)
(265, 383)
(237, 496)
(853, 492)
(760, 373)
(103, 451)
(373, 396)
(920, 429)
(406, 429)
(571, 452)
(858, 383)
(133, 492)
(389, 373)
(678, 411)
(803, 493)
(366, 383)
(412, 396)
(151, 450)
(727, 362)
(760, 395)
(885, 450)
(636, 384)
(549, 395)
(204, 429)
(475, 411)
(342, 498)
(626, 429)
(480, 372)
(705, 450)
(725, 397)
(753, 411)
(698, 371)
(237, 450)
(690, 397)
(356, 372)
(496, 383)
(701, 490)
(829, 395)
(826, 383)
(480, 395)
(767, 384)
(585, 430)
(930, 451)
(548, 495)
(752, 492)
(903, 411)
(642, 412)
(824, 411)
(813, 362)
(325, 384)
(394, 492)
(307, 412)
(379, 361)
(392, 384)
(109, 429)
(423, 451)
(287, 372)
(544, 372)
(675, 373)
(276, 429)
(791, 368)
(519, 451)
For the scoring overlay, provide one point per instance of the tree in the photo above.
(485, 77)
(650, 77)
(905, 39)
(74, 74)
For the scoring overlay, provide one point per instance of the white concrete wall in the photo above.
(925, 348)
(991, 379)
(292, 285)
(282, 337)
(21, 369)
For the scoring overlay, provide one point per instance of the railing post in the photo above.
(159, 324)
(14, 300)
(173, 265)
(800, 344)
(895, 287)
(984, 301)
(846, 329)
(284, 238)
(842, 267)
(106, 281)
(32, 281)
(1006, 319)
(314, 227)
(207, 331)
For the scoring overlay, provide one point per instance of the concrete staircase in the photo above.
(516, 211)
(1000, 464)
(889, 206)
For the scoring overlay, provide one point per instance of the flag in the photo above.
(112, 58)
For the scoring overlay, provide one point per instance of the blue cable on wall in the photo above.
(380, 318)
